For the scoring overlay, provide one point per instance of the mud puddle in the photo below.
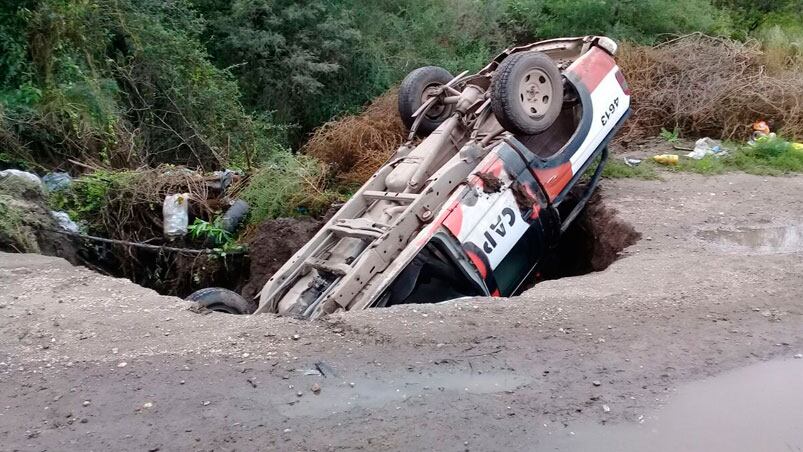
(366, 393)
(777, 240)
(756, 408)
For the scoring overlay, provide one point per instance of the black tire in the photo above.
(411, 94)
(535, 75)
(222, 300)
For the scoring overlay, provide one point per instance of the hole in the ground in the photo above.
(592, 243)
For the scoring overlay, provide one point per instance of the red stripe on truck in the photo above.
(592, 67)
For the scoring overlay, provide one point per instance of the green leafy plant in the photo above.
(201, 229)
(671, 137)
(288, 186)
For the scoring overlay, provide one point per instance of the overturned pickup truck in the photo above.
(475, 205)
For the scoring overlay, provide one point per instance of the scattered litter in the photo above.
(176, 215)
(799, 355)
(56, 181)
(666, 159)
(707, 146)
(606, 409)
(64, 221)
(147, 405)
(632, 162)
(314, 372)
(122, 364)
(760, 129)
(30, 177)
(325, 369)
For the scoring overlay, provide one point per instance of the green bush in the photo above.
(288, 186)
(119, 83)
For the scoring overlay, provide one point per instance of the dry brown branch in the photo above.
(708, 86)
(357, 145)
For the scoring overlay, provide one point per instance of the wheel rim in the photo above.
(535, 93)
(436, 110)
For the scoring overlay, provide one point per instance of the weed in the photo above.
(213, 231)
(88, 195)
(15, 234)
(288, 186)
(671, 137)
(616, 169)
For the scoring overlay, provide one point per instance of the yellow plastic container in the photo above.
(666, 159)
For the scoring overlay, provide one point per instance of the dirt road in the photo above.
(89, 362)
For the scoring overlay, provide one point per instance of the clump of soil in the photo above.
(26, 225)
(272, 244)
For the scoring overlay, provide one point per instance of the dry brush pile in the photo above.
(355, 146)
(709, 86)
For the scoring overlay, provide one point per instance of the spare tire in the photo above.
(222, 300)
(527, 93)
(415, 89)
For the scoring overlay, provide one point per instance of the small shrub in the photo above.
(288, 186)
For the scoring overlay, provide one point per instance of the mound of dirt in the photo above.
(272, 244)
(26, 225)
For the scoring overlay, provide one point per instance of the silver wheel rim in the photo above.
(535, 93)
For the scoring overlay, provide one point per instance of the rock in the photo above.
(87, 403)
(596, 383)
(296, 337)
(147, 405)
(206, 403)
(122, 364)
(606, 409)
(799, 355)
(316, 388)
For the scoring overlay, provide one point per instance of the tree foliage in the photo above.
(123, 83)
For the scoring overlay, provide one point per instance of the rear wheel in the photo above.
(527, 93)
(222, 300)
(418, 87)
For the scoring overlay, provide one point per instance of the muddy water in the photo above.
(785, 239)
(754, 409)
(365, 393)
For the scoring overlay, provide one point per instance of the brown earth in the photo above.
(272, 244)
(89, 362)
